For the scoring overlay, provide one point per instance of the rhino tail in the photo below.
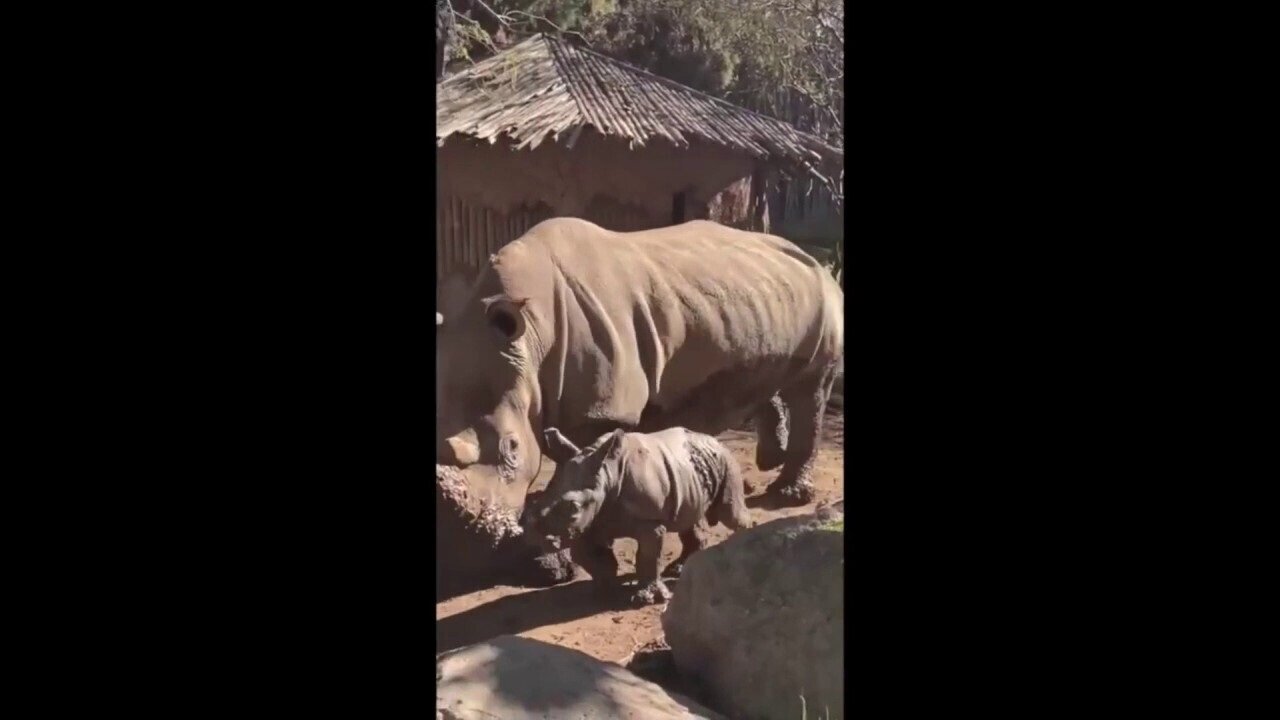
(730, 508)
(771, 434)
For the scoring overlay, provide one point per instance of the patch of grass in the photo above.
(837, 526)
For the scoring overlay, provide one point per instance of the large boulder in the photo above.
(478, 543)
(758, 621)
(516, 678)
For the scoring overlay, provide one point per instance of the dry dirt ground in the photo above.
(572, 616)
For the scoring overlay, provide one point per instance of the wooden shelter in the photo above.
(548, 129)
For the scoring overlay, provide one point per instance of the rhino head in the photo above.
(576, 492)
(487, 408)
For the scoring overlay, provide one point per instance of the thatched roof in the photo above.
(545, 87)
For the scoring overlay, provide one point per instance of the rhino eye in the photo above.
(505, 324)
(509, 450)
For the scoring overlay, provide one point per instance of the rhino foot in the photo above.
(800, 492)
(651, 594)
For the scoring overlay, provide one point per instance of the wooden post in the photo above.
(759, 203)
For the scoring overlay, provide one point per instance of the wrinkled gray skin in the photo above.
(475, 550)
(477, 534)
(639, 486)
(588, 330)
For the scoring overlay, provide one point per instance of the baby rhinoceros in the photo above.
(639, 486)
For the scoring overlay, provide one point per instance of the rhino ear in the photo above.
(505, 315)
(559, 449)
(613, 445)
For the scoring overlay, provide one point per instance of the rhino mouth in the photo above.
(488, 517)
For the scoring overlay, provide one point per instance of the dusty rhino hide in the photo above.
(640, 486)
(477, 545)
(587, 330)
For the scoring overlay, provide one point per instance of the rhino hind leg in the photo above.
(771, 434)
(691, 541)
(807, 403)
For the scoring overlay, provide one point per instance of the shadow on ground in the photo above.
(517, 613)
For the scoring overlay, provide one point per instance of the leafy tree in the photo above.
(781, 57)
(482, 27)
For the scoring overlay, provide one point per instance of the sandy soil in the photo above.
(572, 616)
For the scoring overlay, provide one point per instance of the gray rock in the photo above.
(758, 621)
(515, 678)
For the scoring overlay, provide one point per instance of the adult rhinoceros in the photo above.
(583, 329)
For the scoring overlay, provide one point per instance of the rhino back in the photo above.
(632, 321)
(671, 477)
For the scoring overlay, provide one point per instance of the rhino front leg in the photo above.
(771, 434)
(649, 587)
(806, 403)
(598, 560)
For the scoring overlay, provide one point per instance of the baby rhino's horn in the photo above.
(559, 448)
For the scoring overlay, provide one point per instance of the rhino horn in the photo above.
(559, 448)
(460, 450)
